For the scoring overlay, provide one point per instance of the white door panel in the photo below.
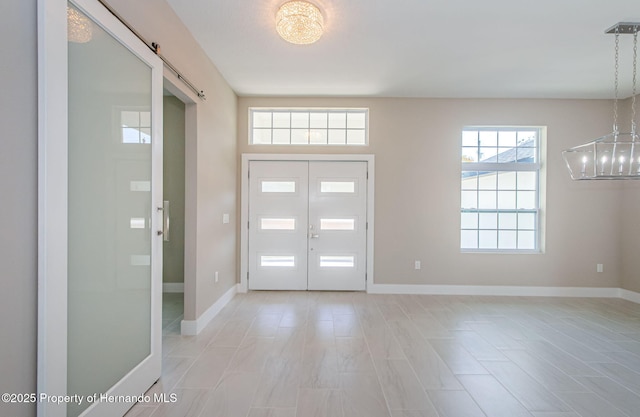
(105, 338)
(307, 225)
(338, 222)
(278, 199)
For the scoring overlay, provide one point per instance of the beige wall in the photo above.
(173, 188)
(18, 203)
(211, 155)
(629, 226)
(416, 145)
(630, 232)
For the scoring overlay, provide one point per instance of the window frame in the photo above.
(292, 110)
(498, 167)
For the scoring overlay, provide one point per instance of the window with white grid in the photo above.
(308, 126)
(500, 193)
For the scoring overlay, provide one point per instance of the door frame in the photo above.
(244, 203)
(191, 102)
(53, 196)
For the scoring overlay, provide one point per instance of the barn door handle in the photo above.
(165, 221)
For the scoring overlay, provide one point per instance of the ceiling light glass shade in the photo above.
(299, 22)
(79, 27)
(611, 157)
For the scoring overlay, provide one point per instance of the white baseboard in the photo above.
(194, 327)
(497, 290)
(630, 295)
(173, 287)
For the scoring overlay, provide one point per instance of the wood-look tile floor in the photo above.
(323, 354)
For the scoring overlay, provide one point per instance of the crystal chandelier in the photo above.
(79, 27)
(299, 22)
(615, 156)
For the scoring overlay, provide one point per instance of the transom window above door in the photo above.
(305, 126)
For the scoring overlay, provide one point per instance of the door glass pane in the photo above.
(278, 186)
(337, 224)
(278, 260)
(109, 241)
(337, 187)
(332, 261)
(278, 224)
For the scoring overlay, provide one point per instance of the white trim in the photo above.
(191, 102)
(172, 287)
(52, 209)
(244, 202)
(629, 295)
(499, 290)
(194, 327)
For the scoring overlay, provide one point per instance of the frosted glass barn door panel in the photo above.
(114, 191)
(278, 212)
(337, 225)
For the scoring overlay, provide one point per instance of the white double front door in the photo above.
(307, 225)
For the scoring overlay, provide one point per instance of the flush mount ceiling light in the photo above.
(615, 156)
(299, 22)
(79, 27)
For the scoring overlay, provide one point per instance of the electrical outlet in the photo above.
(216, 277)
(599, 267)
(417, 265)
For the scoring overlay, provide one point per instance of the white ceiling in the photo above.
(420, 48)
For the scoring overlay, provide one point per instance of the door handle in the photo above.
(312, 236)
(165, 221)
